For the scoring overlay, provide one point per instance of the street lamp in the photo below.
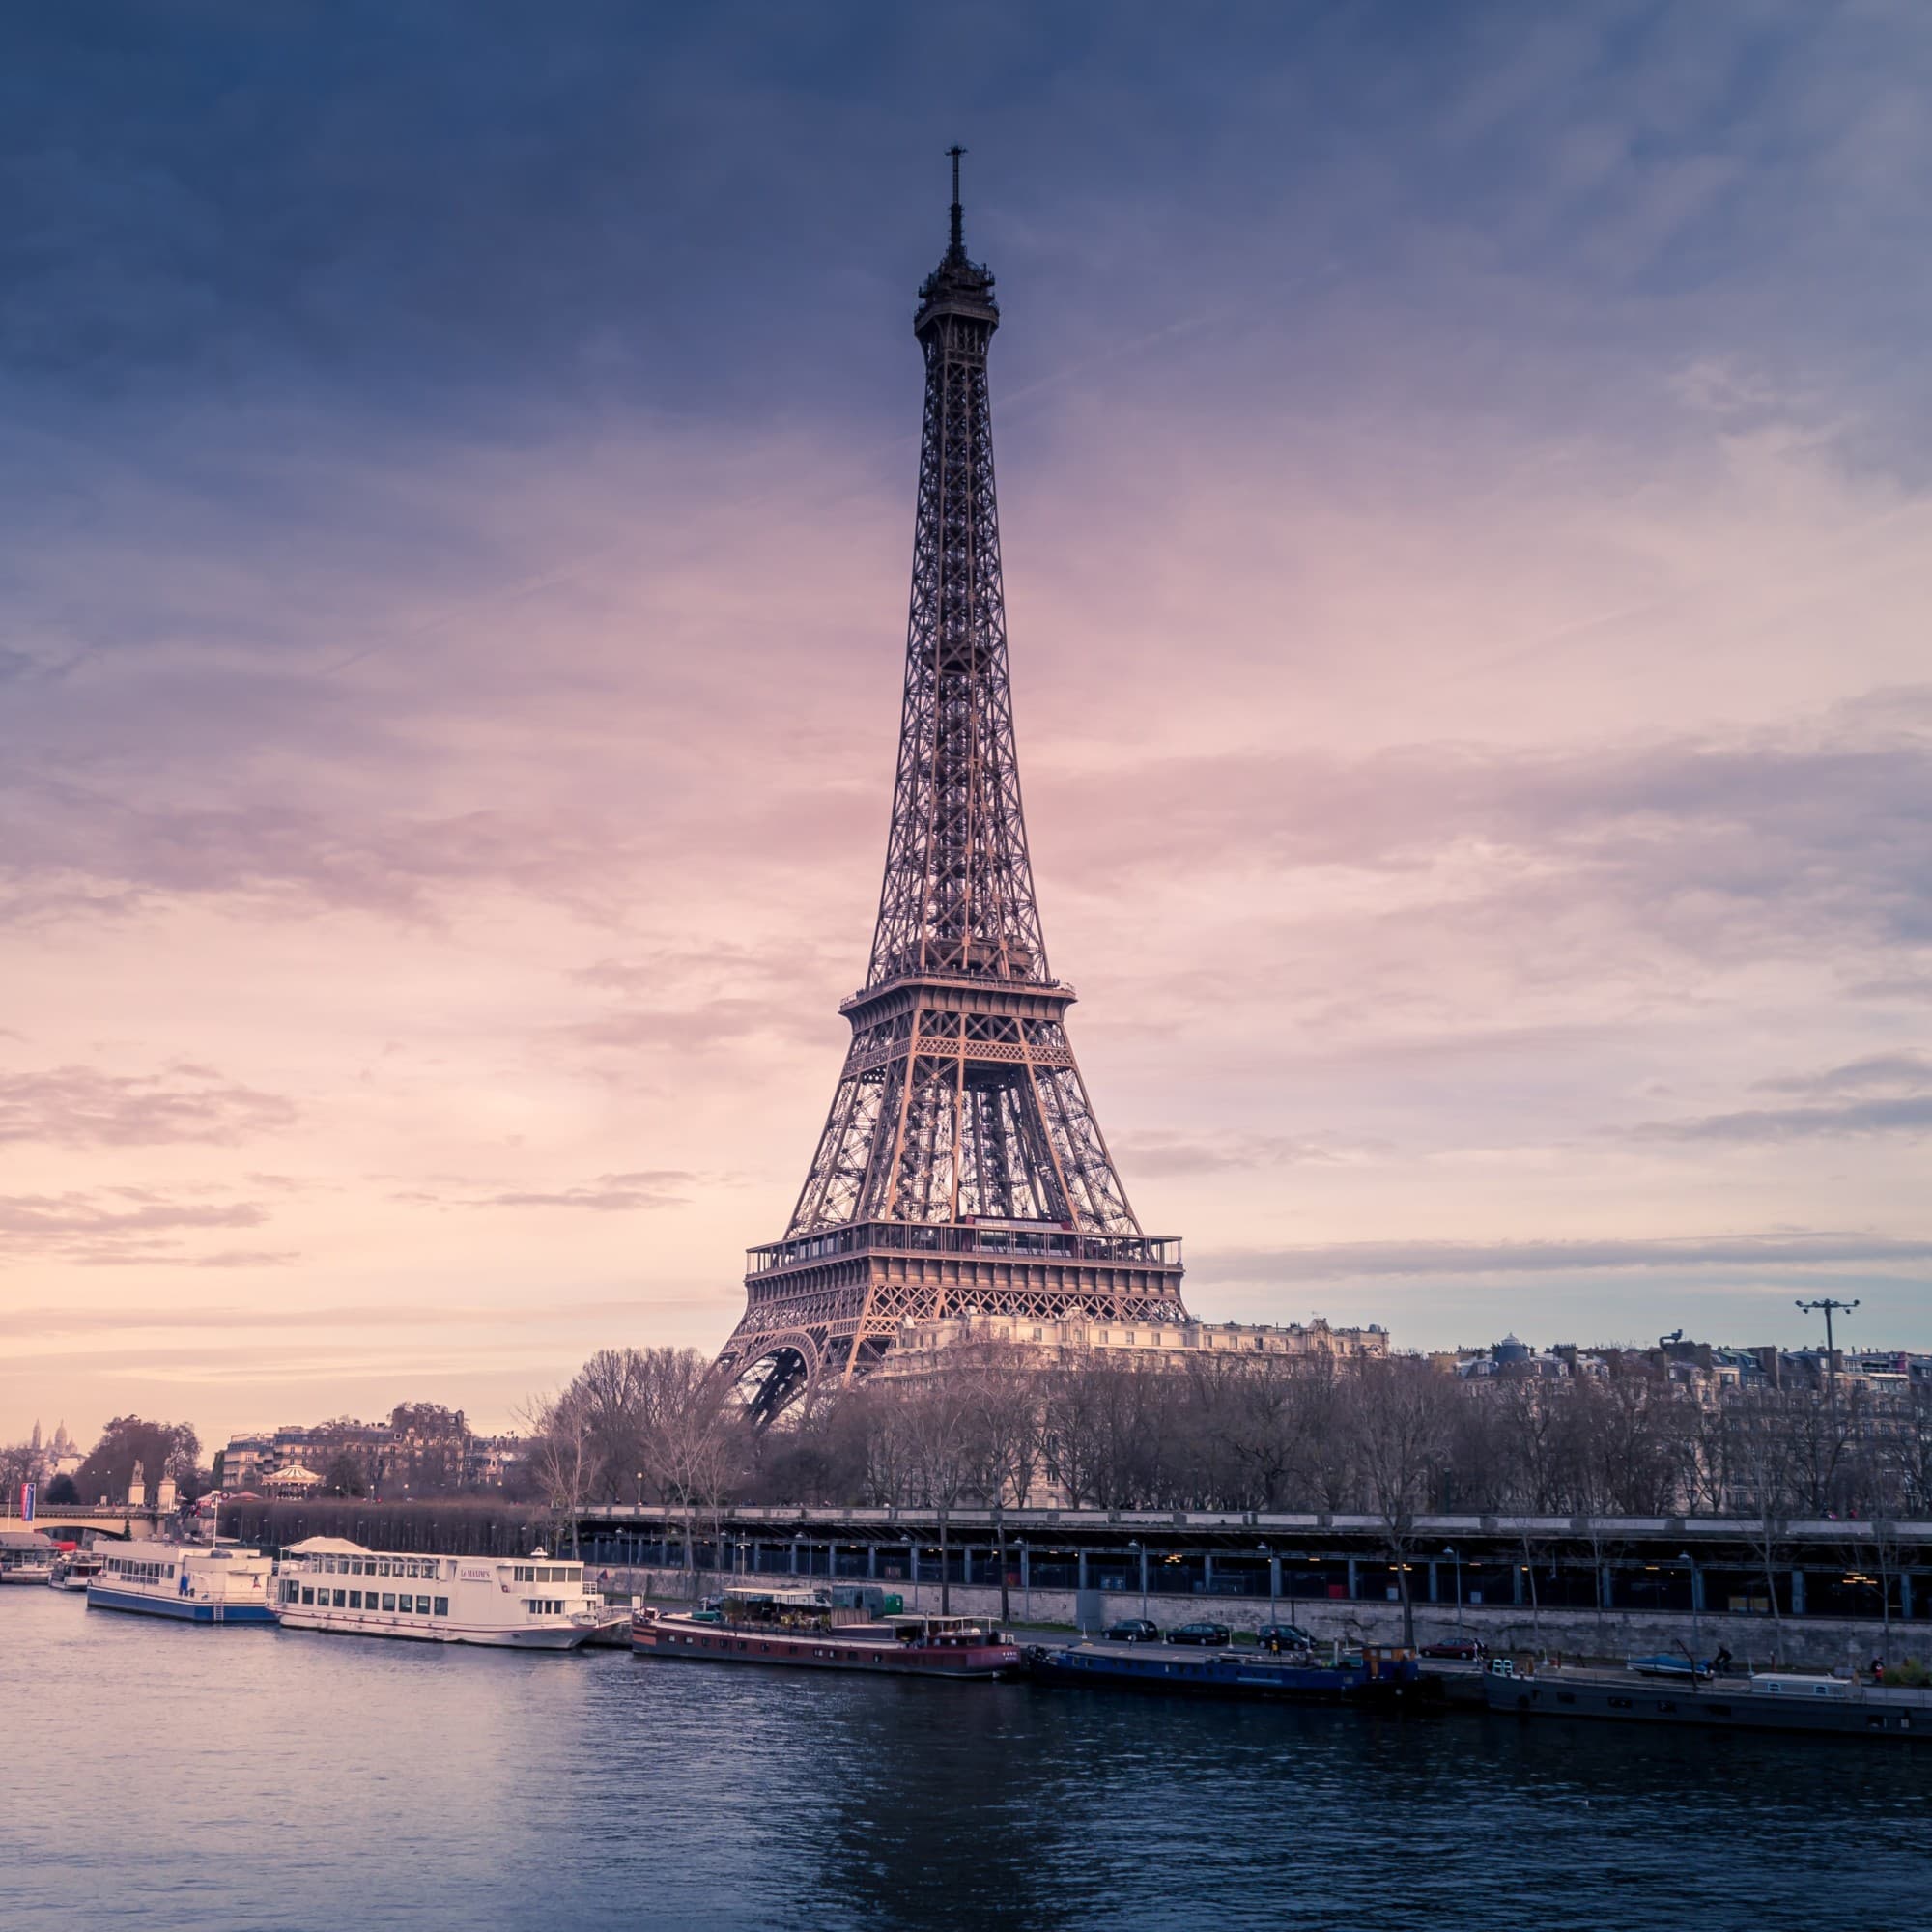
(641, 1493)
(1134, 1545)
(1268, 1554)
(741, 1558)
(1026, 1584)
(1458, 1555)
(1828, 1306)
(1689, 1562)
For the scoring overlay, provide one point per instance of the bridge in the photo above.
(70, 1521)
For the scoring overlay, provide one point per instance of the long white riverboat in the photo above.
(532, 1603)
(189, 1582)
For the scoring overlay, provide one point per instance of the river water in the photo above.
(160, 1775)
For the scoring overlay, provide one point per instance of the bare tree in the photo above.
(1115, 1444)
(19, 1462)
(559, 1459)
(937, 1419)
(1761, 1457)
(1002, 1446)
(694, 1446)
(1402, 1414)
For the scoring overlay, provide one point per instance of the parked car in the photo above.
(1284, 1637)
(1463, 1649)
(1132, 1630)
(1202, 1633)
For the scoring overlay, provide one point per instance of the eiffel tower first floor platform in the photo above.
(829, 1306)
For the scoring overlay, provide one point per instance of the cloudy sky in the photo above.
(1469, 529)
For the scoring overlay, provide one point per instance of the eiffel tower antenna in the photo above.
(960, 1169)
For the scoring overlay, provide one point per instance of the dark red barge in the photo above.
(794, 1628)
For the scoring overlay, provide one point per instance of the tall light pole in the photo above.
(1689, 1562)
(1135, 1546)
(1268, 1554)
(1458, 1555)
(1826, 1306)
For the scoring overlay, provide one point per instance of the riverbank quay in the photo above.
(1830, 1593)
(1814, 1594)
(1822, 1644)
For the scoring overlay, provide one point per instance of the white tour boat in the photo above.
(190, 1582)
(531, 1603)
(26, 1556)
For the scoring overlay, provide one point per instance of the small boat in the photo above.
(187, 1583)
(795, 1628)
(76, 1570)
(328, 1584)
(1369, 1675)
(1666, 1664)
(26, 1556)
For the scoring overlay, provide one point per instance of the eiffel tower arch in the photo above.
(961, 1168)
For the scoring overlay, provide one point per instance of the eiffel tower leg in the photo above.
(770, 1367)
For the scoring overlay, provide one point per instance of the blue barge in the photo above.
(1368, 1676)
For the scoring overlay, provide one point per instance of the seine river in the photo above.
(165, 1776)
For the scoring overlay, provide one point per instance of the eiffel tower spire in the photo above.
(960, 1166)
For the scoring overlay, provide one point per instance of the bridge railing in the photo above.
(44, 1512)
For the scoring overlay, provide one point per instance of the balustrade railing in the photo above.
(1006, 1244)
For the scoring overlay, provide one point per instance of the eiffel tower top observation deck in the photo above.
(961, 1167)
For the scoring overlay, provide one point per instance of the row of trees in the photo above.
(1392, 1439)
(1314, 1435)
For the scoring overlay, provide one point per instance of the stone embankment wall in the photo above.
(1806, 1644)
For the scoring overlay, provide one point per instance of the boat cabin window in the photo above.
(135, 1570)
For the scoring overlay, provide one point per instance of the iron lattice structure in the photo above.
(961, 1168)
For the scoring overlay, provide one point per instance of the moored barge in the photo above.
(794, 1628)
(1370, 1675)
(1765, 1702)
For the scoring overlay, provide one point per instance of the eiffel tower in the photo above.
(961, 1169)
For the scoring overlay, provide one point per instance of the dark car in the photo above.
(1132, 1630)
(1202, 1633)
(1284, 1637)
(1465, 1649)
